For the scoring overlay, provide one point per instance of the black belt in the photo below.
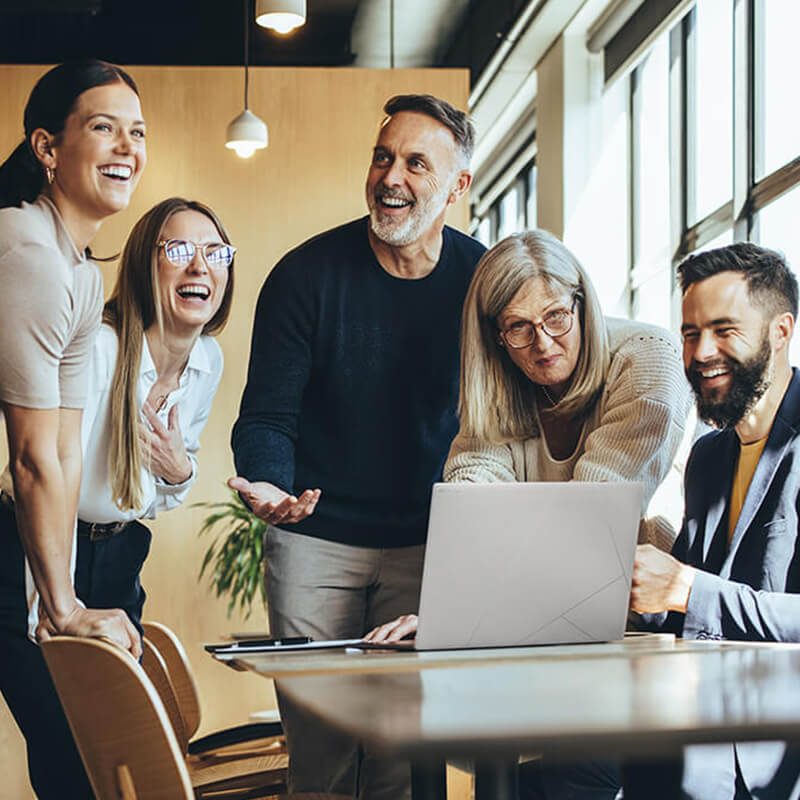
(94, 531)
(98, 531)
(6, 500)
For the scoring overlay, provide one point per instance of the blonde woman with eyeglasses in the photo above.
(552, 390)
(154, 371)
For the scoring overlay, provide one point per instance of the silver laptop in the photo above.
(527, 563)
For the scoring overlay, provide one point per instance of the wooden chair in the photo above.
(125, 737)
(236, 771)
(255, 738)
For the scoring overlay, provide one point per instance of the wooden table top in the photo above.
(336, 662)
(640, 698)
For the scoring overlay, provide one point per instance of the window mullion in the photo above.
(678, 134)
(635, 166)
(743, 86)
(689, 121)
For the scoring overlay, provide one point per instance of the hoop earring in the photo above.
(50, 173)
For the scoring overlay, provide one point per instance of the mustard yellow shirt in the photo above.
(745, 468)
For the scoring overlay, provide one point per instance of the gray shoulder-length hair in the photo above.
(497, 400)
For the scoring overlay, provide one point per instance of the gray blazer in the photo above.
(748, 591)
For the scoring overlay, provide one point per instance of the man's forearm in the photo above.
(261, 453)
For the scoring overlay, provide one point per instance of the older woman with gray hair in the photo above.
(552, 390)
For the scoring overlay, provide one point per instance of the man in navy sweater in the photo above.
(350, 408)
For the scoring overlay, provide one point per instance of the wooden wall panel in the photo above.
(322, 125)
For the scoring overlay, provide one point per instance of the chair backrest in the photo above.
(119, 723)
(156, 669)
(180, 673)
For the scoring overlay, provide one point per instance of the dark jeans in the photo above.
(596, 780)
(109, 578)
(54, 766)
(601, 780)
(107, 571)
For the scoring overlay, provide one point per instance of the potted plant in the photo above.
(234, 557)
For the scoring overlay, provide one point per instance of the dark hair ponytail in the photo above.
(20, 176)
(50, 103)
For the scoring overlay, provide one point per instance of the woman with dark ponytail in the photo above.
(80, 160)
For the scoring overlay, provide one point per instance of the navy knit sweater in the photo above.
(353, 384)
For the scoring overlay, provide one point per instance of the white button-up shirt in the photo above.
(196, 388)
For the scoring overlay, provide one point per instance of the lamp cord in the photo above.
(246, 48)
(391, 34)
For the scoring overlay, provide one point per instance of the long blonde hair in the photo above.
(132, 308)
(497, 400)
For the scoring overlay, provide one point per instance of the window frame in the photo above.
(518, 182)
(749, 196)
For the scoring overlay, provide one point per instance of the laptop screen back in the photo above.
(527, 563)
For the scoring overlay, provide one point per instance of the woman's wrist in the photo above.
(181, 476)
(62, 610)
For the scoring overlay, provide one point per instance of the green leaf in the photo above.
(233, 560)
(207, 558)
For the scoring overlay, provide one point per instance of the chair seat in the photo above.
(263, 732)
(212, 774)
(265, 715)
(270, 746)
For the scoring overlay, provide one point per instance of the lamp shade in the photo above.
(246, 134)
(282, 16)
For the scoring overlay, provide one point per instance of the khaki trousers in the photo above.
(329, 590)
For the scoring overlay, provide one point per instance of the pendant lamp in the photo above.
(283, 16)
(247, 133)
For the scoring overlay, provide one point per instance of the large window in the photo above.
(512, 207)
(778, 228)
(779, 223)
(651, 277)
(707, 150)
(483, 233)
(715, 143)
(777, 58)
(709, 103)
(508, 216)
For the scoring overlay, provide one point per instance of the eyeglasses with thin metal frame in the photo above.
(557, 323)
(181, 252)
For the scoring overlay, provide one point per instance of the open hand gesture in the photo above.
(272, 504)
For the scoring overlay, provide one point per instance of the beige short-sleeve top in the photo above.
(50, 307)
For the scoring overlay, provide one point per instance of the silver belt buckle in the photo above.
(100, 531)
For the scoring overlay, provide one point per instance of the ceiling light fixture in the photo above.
(247, 133)
(283, 16)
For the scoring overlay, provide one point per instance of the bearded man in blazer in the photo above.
(734, 572)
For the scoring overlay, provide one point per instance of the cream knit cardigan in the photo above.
(638, 430)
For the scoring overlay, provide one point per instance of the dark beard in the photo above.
(749, 381)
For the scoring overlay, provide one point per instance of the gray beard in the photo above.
(419, 220)
(399, 237)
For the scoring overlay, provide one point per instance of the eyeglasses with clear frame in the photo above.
(556, 323)
(181, 252)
